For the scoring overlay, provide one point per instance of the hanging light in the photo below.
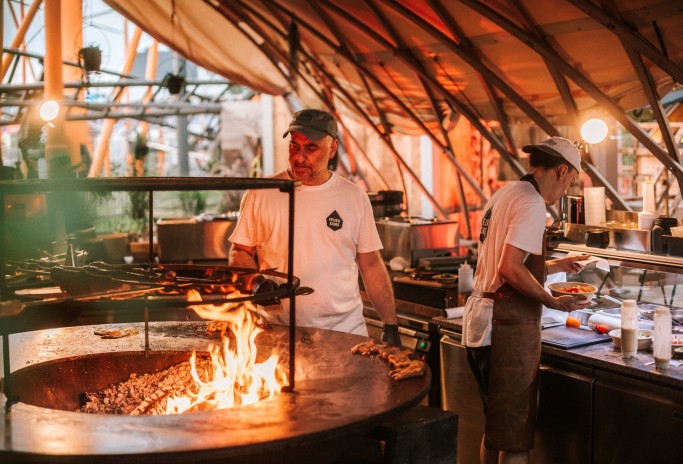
(594, 130)
(48, 110)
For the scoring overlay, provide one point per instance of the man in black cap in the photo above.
(335, 236)
(501, 321)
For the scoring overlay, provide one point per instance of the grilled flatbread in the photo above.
(117, 333)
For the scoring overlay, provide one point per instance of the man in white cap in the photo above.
(501, 322)
(335, 236)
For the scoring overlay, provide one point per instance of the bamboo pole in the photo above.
(102, 151)
(56, 149)
(19, 37)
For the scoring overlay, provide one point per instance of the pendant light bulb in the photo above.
(594, 131)
(49, 110)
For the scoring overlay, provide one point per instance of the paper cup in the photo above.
(646, 220)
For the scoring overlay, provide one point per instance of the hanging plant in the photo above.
(90, 58)
(173, 83)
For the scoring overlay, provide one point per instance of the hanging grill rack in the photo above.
(10, 312)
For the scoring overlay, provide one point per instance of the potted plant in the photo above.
(90, 58)
(174, 83)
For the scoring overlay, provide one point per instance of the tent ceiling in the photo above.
(385, 56)
(407, 65)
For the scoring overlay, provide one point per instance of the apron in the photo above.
(515, 359)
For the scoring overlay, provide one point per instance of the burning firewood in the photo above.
(142, 394)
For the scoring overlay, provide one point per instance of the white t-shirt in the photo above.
(518, 218)
(333, 223)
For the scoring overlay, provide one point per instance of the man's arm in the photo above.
(378, 286)
(513, 271)
(242, 256)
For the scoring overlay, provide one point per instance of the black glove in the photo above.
(390, 335)
(266, 286)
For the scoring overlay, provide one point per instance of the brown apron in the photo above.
(515, 358)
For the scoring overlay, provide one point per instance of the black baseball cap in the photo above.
(314, 124)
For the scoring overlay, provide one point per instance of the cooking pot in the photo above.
(597, 238)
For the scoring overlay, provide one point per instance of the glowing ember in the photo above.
(235, 378)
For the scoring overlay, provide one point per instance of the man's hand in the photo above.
(390, 335)
(569, 264)
(569, 303)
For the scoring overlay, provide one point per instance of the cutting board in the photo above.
(568, 337)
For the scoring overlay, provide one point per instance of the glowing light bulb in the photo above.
(594, 130)
(49, 110)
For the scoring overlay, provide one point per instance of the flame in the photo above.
(235, 378)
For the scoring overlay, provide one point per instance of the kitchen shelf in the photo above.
(626, 258)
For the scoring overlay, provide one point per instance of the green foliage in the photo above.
(193, 202)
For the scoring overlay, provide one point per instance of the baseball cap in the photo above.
(314, 124)
(560, 147)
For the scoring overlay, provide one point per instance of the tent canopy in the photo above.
(415, 66)
(410, 60)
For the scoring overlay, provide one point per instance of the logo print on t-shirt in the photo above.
(334, 221)
(485, 223)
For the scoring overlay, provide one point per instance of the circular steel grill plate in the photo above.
(337, 396)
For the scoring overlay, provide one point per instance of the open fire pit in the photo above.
(338, 396)
(334, 395)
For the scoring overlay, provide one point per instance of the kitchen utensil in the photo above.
(597, 238)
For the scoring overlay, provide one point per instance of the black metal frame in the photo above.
(150, 185)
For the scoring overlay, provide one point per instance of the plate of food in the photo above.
(446, 278)
(572, 288)
(677, 345)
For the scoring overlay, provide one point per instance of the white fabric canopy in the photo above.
(391, 58)
(414, 66)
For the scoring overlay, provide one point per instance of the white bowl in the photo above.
(645, 337)
(573, 289)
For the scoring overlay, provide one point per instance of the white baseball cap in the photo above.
(560, 147)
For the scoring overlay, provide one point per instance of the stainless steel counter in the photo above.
(601, 355)
(594, 406)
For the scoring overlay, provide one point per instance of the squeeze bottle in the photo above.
(662, 338)
(465, 277)
(629, 328)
